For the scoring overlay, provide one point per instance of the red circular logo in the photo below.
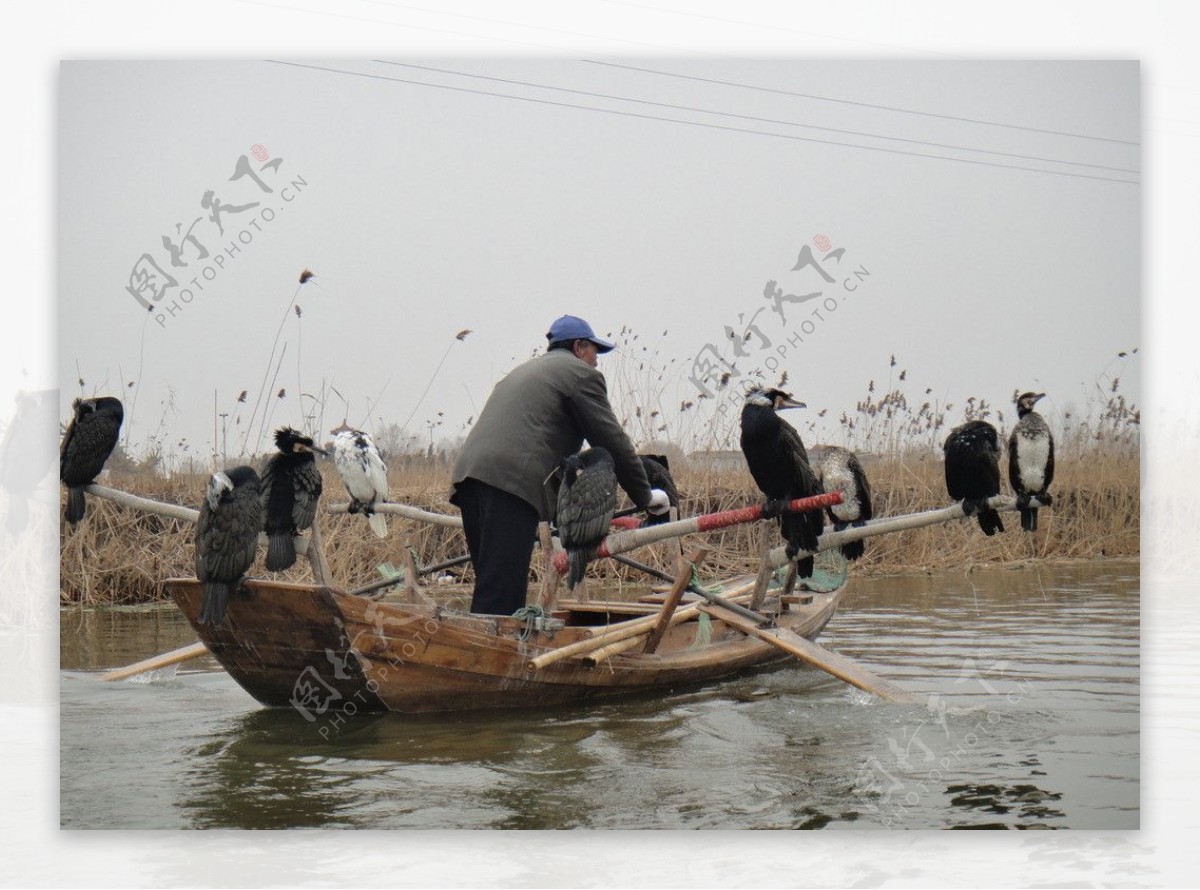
(822, 242)
(262, 154)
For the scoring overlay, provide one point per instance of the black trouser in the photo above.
(500, 529)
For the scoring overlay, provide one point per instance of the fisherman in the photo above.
(538, 414)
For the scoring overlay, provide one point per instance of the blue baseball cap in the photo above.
(569, 327)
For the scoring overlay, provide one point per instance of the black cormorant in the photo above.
(587, 499)
(973, 471)
(226, 537)
(838, 469)
(291, 485)
(658, 472)
(779, 464)
(364, 474)
(89, 440)
(1030, 458)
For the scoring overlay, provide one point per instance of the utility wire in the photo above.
(749, 86)
(700, 123)
(749, 117)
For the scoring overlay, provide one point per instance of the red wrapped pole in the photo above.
(624, 541)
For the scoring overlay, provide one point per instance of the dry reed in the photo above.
(119, 557)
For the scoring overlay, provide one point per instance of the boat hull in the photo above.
(325, 651)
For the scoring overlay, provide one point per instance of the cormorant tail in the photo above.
(577, 560)
(281, 552)
(76, 505)
(853, 550)
(216, 600)
(989, 521)
(1029, 520)
(804, 567)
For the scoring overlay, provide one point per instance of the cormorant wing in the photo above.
(586, 508)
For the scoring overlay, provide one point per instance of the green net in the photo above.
(830, 570)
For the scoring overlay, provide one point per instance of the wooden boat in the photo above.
(325, 652)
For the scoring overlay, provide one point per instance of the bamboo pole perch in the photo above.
(831, 539)
(442, 519)
(620, 542)
(171, 511)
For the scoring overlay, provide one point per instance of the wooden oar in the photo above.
(166, 659)
(819, 657)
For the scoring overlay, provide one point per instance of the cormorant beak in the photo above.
(318, 450)
(782, 402)
(1039, 397)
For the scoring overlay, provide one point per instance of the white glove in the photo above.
(659, 502)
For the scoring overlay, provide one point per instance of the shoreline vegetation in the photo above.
(120, 557)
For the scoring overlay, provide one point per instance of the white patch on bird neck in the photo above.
(217, 486)
(760, 399)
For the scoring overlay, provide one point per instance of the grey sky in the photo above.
(426, 210)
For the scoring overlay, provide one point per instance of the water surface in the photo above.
(1030, 721)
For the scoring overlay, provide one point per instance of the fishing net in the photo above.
(830, 570)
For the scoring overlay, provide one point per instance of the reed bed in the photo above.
(120, 557)
(117, 556)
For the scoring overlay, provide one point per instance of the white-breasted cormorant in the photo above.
(226, 537)
(291, 485)
(838, 469)
(89, 440)
(587, 500)
(1030, 458)
(364, 474)
(658, 472)
(779, 464)
(973, 471)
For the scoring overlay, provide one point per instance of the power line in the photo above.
(764, 120)
(749, 86)
(698, 123)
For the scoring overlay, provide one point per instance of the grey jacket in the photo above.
(537, 415)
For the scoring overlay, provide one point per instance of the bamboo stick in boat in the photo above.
(636, 627)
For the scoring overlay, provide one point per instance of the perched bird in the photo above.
(838, 470)
(364, 474)
(779, 464)
(226, 537)
(658, 472)
(587, 500)
(973, 471)
(291, 485)
(89, 440)
(1030, 459)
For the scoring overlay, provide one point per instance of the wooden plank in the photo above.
(831, 662)
(166, 659)
(682, 580)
